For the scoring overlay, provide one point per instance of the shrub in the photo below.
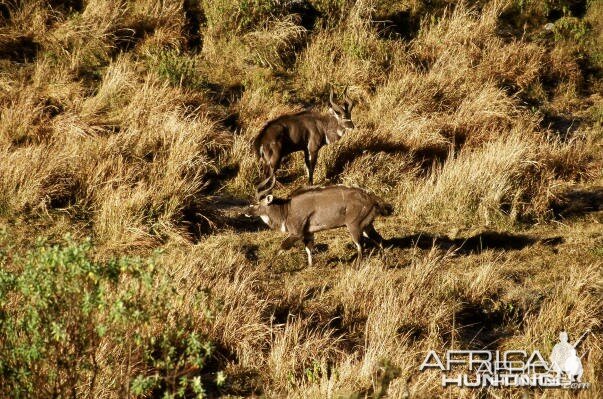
(571, 28)
(70, 324)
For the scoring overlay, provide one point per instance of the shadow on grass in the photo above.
(22, 48)
(206, 215)
(480, 328)
(250, 251)
(399, 25)
(488, 240)
(474, 244)
(233, 217)
(578, 202)
(423, 157)
(242, 381)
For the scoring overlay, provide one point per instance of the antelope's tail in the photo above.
(257, 144)
(383, 208)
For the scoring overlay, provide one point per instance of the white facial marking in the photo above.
(336, 115)
(340, 132)
(266, 219)
(309, 256)
(364, 234)
(283, 227)
(327, 139)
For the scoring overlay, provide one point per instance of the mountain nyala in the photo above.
(305, 131)
(314, 209)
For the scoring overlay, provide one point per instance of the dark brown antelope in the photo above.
(305, 131)
(315, 209)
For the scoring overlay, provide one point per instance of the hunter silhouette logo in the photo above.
(564, 358)
(512, 368)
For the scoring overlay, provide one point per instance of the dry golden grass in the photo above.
(130, 122)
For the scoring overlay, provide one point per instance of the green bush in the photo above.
(178, 69)
(532, 15)
(571, 28)
(59, 307)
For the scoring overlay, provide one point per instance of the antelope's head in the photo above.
(263, 199)
(260, 208)
(342, 113)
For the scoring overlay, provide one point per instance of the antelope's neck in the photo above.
(332, 129)
(276, 215)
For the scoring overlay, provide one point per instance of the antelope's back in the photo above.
(335, 193)
(330, 206)
(301, 127)
(291, 129)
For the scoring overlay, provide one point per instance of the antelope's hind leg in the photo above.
(373, 235)
(309, 246)
(272, 160)
(356, 234)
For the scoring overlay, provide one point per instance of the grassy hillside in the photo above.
(125, 152)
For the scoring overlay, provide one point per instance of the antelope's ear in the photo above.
(269, 199)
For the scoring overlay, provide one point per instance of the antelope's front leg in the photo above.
(310, 158)
(313, 158)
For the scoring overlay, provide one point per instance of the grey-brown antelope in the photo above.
(314, 209)
(305, 131)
